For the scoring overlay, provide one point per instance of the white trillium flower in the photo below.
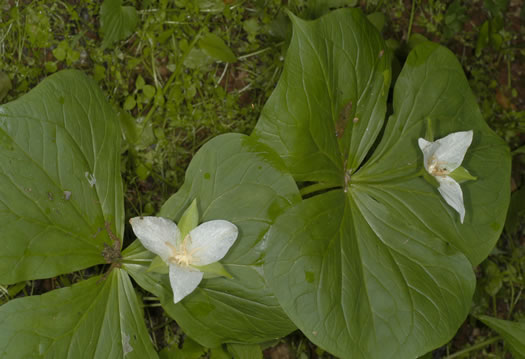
(205, 244)
(443, 156)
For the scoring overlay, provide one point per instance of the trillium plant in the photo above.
(325, 219)
(441, 158)
(185, 253)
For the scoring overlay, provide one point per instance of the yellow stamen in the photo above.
(437, 168)
(182, 256)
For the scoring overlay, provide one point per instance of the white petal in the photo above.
(423, 144)
(452, 149)
(428, 149)
(211, 240)
(154, 233)
(451, 192)
(183, 281)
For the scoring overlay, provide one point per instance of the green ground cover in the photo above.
(174, 90)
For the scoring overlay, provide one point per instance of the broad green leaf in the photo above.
(59, 179)
(416, 39)
(513, 334)
(363, 278)
(237, 179)
(516, 211)
(96, 318)
(330, 102)
(117, 22)
(378, 265)
(243, 351)
(215, 47)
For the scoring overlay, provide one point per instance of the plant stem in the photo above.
(474, 347)
(317, 187)
(258, 52)
(411, 21)
(154, 299)
(152, 305)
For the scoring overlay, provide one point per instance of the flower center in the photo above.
(437, 168)
(182, 256)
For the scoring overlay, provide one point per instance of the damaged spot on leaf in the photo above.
(126, 347)
(91, 179)
(341, 123)
(67, 195)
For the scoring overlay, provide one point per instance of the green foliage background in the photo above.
(176, 95)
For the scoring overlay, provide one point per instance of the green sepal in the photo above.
(461, 175)
(189, 219)
(429, 134)
(158, 266)
(430, 179)
(213, 270)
